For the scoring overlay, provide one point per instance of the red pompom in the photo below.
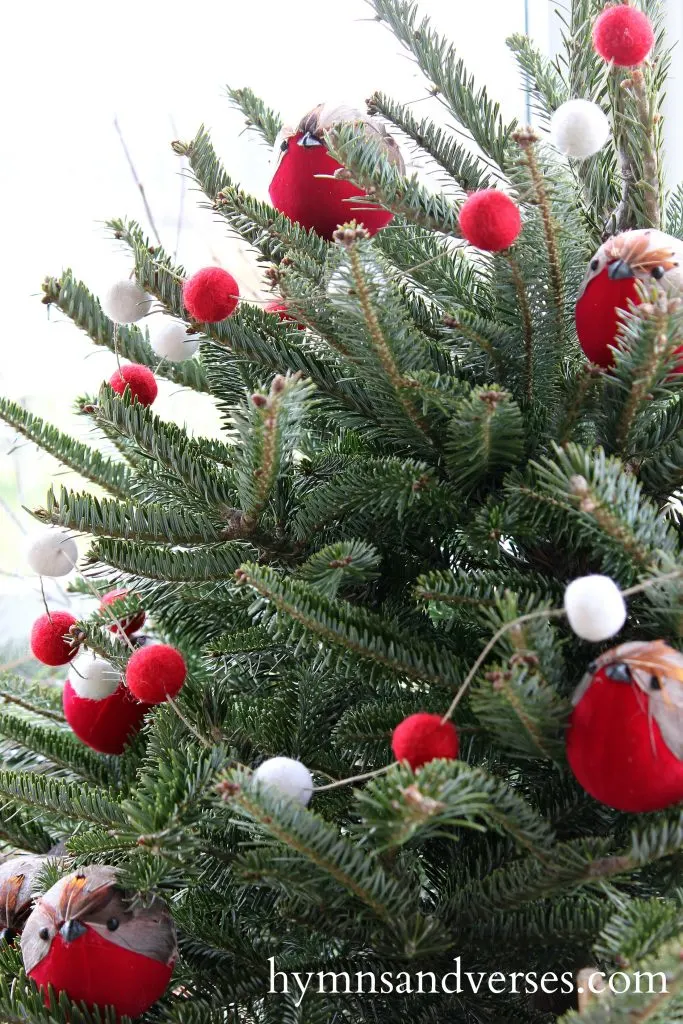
(131, 623)
(490, 220)
(320, 203)
(155, 673)
(211, 295)
(279, 309)
(139, 379)
(616, 750)
(423, 737)
(47, 638)
(623, 35)
(105, 725)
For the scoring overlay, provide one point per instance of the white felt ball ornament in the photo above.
(595, 607)
(289, 776)
(125, 302)
(174, 343)
(579, 128)
(93, 678)
(51, 551)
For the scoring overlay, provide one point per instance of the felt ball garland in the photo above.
(579, 128)
(490, 220)
(139, 379)
(51, 551)
(289, 776)
(50, 641)
(125, 302)
(623, 35)
(595, 607)
(211, 295)
(173, 342)
(422, 738)
(155, 673)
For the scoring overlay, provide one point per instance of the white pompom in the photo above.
(579, 128)
(125, 302)
(51, 551)
(289, 776)
(93, 678)
(595, 607)
(174, 343)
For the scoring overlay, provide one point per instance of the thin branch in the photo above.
(140, 186)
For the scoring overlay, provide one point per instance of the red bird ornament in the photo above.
(611, 284)
(16, 900)
(91, 939)
(311, 188)
(625, 737)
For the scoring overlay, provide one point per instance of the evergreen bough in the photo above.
(435, 459)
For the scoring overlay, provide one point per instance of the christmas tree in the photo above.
(348, 746)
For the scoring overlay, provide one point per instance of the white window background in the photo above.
(159, 70)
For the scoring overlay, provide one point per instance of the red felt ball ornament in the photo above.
(155, 673)
(90, 939)
(615, 745)
(105, 725)
(623, 35)
(490, 220)
(139, 379)
(423, 737)
(131, 623)
(48, 641)
(211, 295)
(280, 310)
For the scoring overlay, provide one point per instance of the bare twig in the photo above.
(141, 187)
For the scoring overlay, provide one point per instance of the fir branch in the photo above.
(269, 433)
(589, 499)
(168, 446)
(527, 325)
(74, 300)
(368, 166)
(259, 117)
(68, 799)
(378, 340)
(549, 89)
(466, 169)
(321, 844)
(485, 437)
(112, 476)
(449, 78)
(106, 518)
(359, 632)
(401, 807)
(216, 562)
(273, 234)
(527, 140)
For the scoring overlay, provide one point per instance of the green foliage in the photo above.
(259, 117)
(418, 461)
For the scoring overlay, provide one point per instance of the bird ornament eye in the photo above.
(284, 145)
(595, 263)
(308, 141)
(658, 273)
